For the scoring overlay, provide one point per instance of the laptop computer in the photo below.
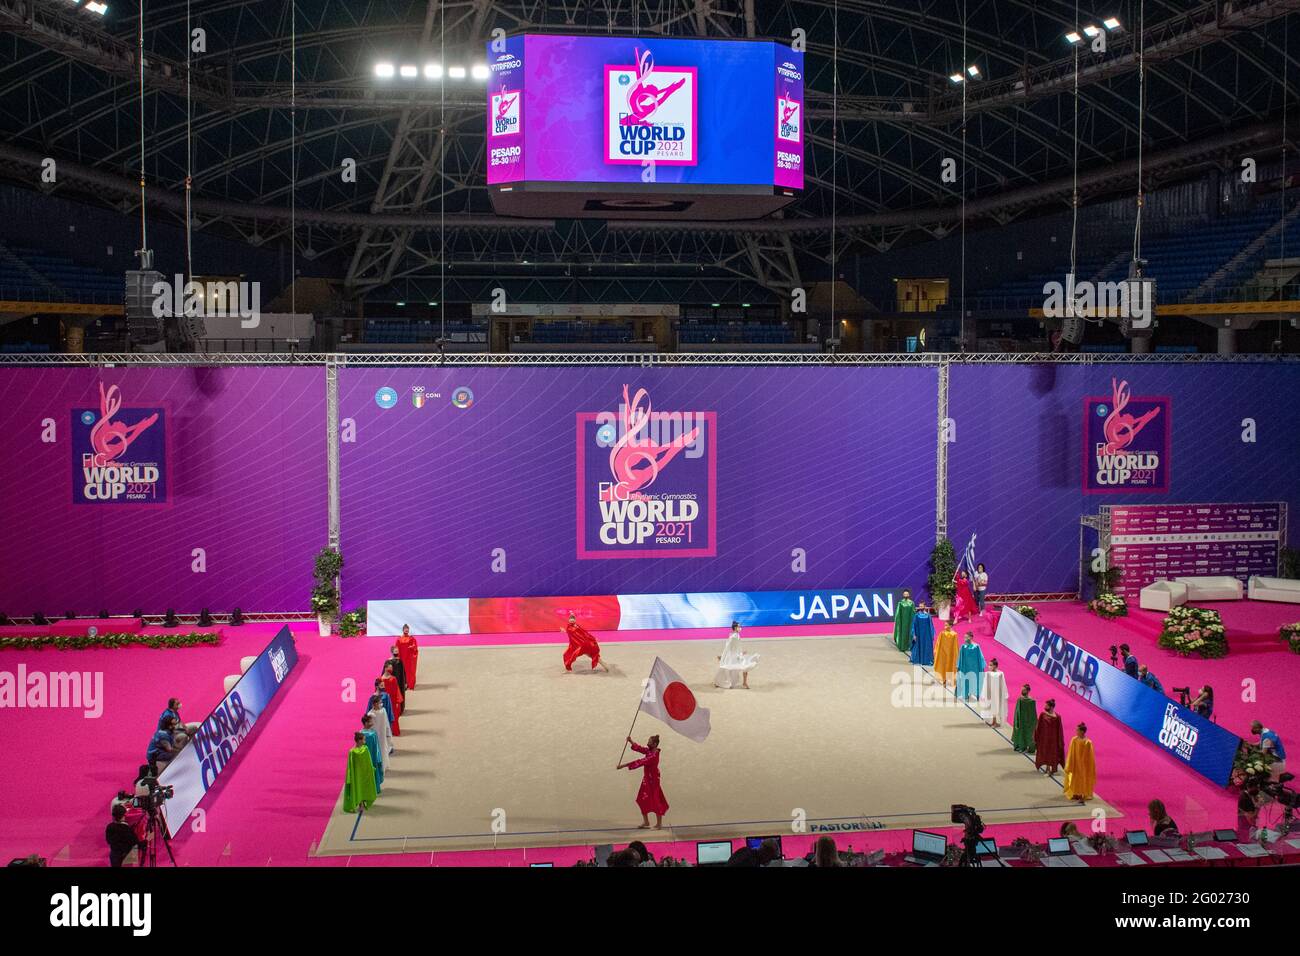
(928, 849)
(1225, 836)
(1059, 846)
(712, 852)
(986, 847)
(756, 842)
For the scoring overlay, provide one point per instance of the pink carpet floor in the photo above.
(272, 802)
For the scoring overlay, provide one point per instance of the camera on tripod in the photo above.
(1279, 791)
(157, 794)
(1184, 695)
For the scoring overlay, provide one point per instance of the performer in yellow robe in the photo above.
(945, 655)
(1080, 766)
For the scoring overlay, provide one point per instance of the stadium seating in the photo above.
(30, 273)
(419, 331)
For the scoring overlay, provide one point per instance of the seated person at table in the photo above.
(1161, 822)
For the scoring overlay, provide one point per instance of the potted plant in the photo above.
(943, 569)
(353, 623)
(325, 592)
(1291, 634)
(1194, 630)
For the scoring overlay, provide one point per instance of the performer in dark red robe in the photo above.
(650, 798)
(581, 643)
(409, 651)
(1049, 740)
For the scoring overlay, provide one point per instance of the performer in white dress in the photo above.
(733, 662)
(383, 730)
(993, 695)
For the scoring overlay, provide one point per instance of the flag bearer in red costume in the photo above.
(581, 643)
(650, 798)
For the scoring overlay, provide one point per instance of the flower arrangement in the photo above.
(353, 623)
(1028, 610)
(1108, 606)
(1291, 634)
(1029, 850)
(1103, 843)
(325, 593)
(1194, 630)
(943, 568)
(1251, 764)
(85, 642)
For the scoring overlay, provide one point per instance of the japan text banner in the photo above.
(1179, 731)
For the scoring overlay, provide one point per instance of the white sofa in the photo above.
(1162, 595)
(1274, 589)
(1212, 588)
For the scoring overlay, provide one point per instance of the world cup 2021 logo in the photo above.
(505, 112)
(119, 453)
(646, 481)
(651, 113)
(1125, 442)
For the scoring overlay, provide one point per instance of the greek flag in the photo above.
(968, 559)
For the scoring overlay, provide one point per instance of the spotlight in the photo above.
(409, 71)
(236, 617)
(384, 71)
(94, 6)
(1111, 23)
(974, 71)
(1091, 31)
(170, 619)
(956, 78)
(456, 72)
(205, 619)
(433, 71)
(480, 72)
(39, 619)
(1074, 37)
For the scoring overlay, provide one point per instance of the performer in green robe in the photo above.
(359, 787)
(1026, 720)
(970, 668)
(903, 622)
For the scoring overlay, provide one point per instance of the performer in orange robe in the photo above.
(409, 651)
(580, 643)
(650, 798)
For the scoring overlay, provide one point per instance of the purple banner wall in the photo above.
(240, 454)
(1016, 474)
(837, 461)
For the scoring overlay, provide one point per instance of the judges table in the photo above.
(1208, 853)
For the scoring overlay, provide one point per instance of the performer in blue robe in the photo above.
(388, 701)
(970, 668)
(372, 744)
(922, 638)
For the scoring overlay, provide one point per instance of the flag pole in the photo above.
(633, 724)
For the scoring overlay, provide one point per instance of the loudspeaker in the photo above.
(142, 325)
(1072, 329)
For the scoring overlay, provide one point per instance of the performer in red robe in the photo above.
(581, 643)
(1049, 740)
(650, 798)
(381, 688)
(964, 603)
(409, 651)
(394, 690)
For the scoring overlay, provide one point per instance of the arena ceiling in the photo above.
(882, 115)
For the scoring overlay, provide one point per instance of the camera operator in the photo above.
(1130, 661)
(1203, 702)
(1271, 743)
(121, 837)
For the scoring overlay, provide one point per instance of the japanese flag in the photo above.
(666, 696)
